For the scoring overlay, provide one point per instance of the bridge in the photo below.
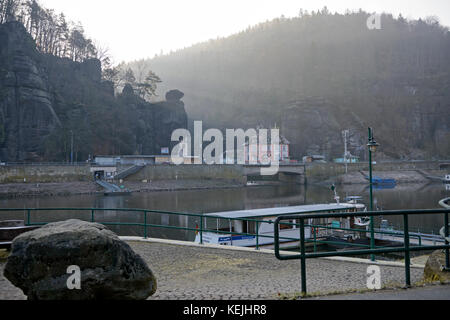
(295, 173)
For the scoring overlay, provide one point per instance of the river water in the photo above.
(407, 196)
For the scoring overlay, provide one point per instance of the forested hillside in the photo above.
(320, 73)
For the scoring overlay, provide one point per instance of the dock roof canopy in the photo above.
(271, 212)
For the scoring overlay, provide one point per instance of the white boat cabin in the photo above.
(230, 225)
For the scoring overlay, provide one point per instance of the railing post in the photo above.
(201, 230)
(231, 231)
(446, 233)
(145, 224)
(315, 239)
(257, 235)
(407, 256)
(302, 252)
(28, 217)
(92, 215)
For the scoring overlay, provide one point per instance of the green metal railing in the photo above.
(406, 248)
(444, 232)
(299, 222)
(200, 220)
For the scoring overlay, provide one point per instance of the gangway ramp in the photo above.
(111, 188)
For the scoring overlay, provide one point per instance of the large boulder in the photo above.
(434, 268)
(110, 269)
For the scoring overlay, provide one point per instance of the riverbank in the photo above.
(25, 190)
(353, 182)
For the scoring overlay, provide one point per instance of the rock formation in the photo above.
(27, 116)
(45, 101)
(110, 269)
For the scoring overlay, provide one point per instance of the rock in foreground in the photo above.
(434, 268)
(110, 269)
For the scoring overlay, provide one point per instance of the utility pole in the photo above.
(345, 133)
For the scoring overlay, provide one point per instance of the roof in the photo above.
(270, 212)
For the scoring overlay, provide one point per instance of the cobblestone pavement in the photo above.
(215, 274)
(193, 273)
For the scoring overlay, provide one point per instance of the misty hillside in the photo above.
(319, 74)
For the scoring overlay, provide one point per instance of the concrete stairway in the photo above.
(128, 172)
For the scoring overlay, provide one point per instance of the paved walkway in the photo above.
(190, 272)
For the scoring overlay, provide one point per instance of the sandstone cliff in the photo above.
(46, 101)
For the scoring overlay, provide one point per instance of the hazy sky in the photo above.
(135, 29)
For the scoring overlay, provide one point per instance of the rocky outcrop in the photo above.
(46, 101)
(154, 122)
(27, 116)
(174, 95)
(110, 269)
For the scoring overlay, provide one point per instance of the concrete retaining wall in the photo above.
(323, 171)
(233, 173)
(44, 173)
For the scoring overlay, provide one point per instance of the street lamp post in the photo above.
(372, 145)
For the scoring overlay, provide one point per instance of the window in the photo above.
(249, 227)
(284, 226)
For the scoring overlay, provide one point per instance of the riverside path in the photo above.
(186, 271)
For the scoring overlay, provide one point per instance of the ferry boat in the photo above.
(240, 222)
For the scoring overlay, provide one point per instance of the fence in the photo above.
(299, 222)
(406, 248)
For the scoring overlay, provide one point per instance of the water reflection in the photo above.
(408, 196)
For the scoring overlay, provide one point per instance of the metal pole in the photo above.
(407, 256)
(71, 147)
(145, 224)
(303, 258)
(92, 216)
(257, 235)
(345, 132)
(315, 239)
(446, 233)
(372, 232)
(28, 217)
(201, 230)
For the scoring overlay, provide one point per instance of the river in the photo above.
(406, 196)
